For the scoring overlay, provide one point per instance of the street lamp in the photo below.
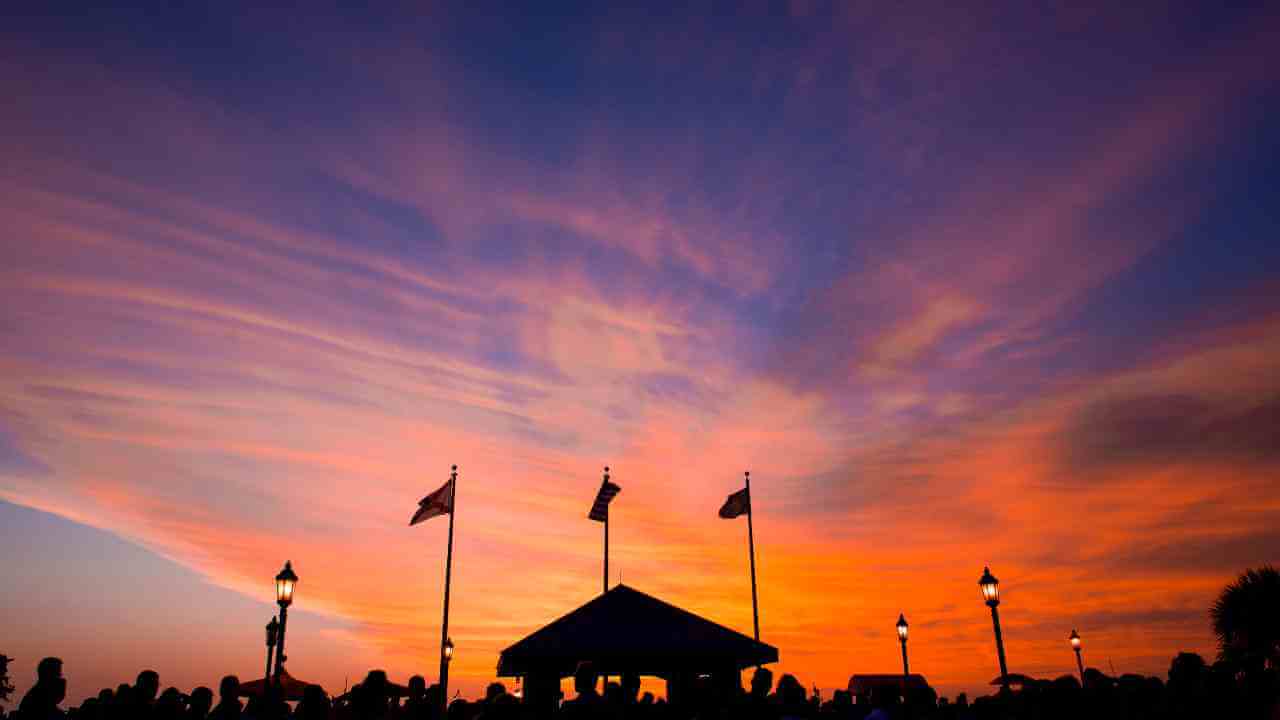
(1075, 645)
(284, 598)
(273, 631)
(902, 637)
(284, 585)
(990, 587)
(448, 650)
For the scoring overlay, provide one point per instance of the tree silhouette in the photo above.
(6, 687)
(1246, 621)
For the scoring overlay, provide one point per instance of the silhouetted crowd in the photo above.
(1193, 690)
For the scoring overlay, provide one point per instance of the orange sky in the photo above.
(236, 334)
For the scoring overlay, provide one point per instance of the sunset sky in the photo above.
(997, 286)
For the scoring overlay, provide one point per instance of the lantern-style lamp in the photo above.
(284, 585)
(448, 650)
(990, 587)
(902, 638)
(284, 598)
(1075, 645)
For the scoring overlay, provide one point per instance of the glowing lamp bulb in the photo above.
(284, 585)
(990, 587)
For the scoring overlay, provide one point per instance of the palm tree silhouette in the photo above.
(1246, 618)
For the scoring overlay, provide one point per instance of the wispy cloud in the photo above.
(237, 333)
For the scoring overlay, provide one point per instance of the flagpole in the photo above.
(606, 537)
(448, 579)
(751, 547)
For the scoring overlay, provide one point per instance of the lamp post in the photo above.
(273, 630)
(990, 587)
(1075, 645)
(446, 657)
(284, 598)
(902, 638)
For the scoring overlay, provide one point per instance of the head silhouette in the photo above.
(790, 691)
(761, 682)
(48, 670)
(376, 685)
(169, 704)
(147, 685)
(417, 686)
(630, 687)
(494, 691)
(434, 696)
(229, 688)
(584, 679)
(201, 701)
(124, 695)
(613, 693)
(314, 705)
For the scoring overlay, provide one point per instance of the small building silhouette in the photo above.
(865, 688)
(627, 631)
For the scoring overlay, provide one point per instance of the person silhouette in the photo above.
(314, 705)
(229, 705)
(433, 699)
(97, 707)
(415, 706)
(630, 688)
(145, 689)
(494, 691)
(200, 703)
(169, 706)
(121, 703)
(756, 703)
(791, 697)
(369, 698)
(270, 705)
(42, 700)
(587, 704)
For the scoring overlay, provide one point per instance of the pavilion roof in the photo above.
(625, 630)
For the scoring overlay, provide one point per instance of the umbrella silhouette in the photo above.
(291, 687)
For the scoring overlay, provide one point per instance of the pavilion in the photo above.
(862, 687)
(626, 631)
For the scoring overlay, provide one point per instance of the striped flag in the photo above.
(439, 502)
(600, 508)
(738, 503)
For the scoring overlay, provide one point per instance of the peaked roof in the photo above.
(864, 682)
(625, 630)
(292, 687)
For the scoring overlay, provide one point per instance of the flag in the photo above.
(737, 504)
(439, 502)
(600, 508)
